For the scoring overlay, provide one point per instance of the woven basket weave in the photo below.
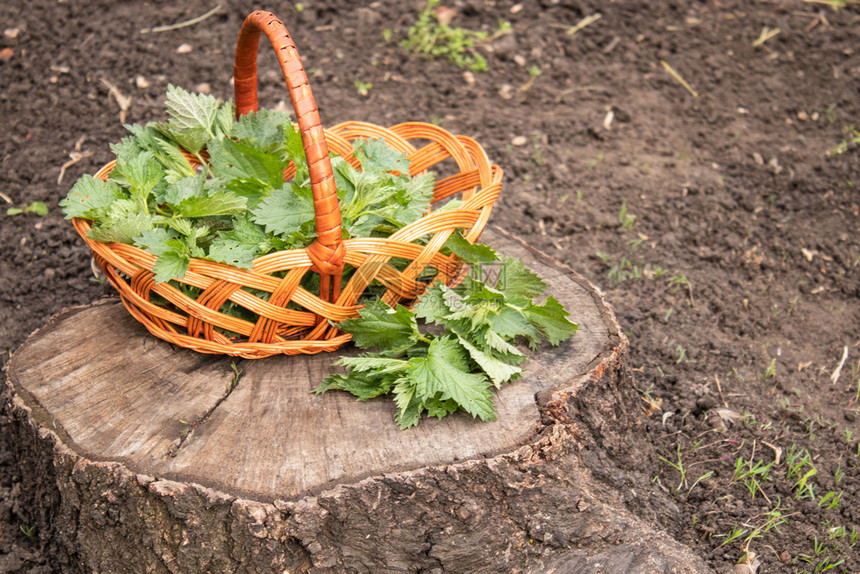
(306, 327)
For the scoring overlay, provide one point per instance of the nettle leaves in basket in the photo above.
(465, 345)
(206, 185)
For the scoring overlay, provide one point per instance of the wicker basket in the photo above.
(306, 327)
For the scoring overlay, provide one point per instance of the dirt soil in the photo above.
(720, 217)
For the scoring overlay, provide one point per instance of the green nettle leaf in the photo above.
(181, 189)
(157, 241)
(455, 370)
(239, 160)
(363, 226)
(189, 111)
(375, 156)
(167, 152)
(439, 408)
(551, 319)
(125, 151)
(224, 119)
(409, 406)
(510, 323)
(245, 232)
(475, 253)
(295, 151)
(182, 226)
(90, 198)
(361, 191)
(192, 139)
(122, 208)
(363, 386)
(493, 340)
(170, 265)
(173, 253)
(221, 202)
(517, 281)
(498, 370)
(262, 129)
(253, 190)
(372, 363)
(382, 327)
(121, 230)
(143, 174)
(413, 197)
(431, 306)
(233, 253)
(289, 210)
(374, 200)
(445, 374)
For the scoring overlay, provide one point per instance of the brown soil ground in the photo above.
(721, 229)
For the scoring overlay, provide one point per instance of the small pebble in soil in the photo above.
(519, 140)
(203, 88)
(6, 53)
(11, 32)
(516, 8)
(506, 91)
(184, 49)
(141, 82)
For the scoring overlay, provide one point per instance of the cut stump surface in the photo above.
(187, 464)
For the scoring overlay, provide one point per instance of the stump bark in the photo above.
(141, 457)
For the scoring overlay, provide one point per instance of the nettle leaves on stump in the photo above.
(464, 346)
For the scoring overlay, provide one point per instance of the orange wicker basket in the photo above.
(306, 326)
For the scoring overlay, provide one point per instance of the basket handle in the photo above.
(327, 251)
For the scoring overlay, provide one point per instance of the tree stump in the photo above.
(140, 457)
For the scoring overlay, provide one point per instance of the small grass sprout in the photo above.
(628, 220)
(34, 208)
(735, 534)
(795, 460)
(838, 475)
(806, 489)
(679, 466)
(831, 500)
(705, 476)
(363, 88)
(751, 474)
(234, 380)
(775, 519)
(842, 147)
(770, 372)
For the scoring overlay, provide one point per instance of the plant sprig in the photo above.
(465, 346)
